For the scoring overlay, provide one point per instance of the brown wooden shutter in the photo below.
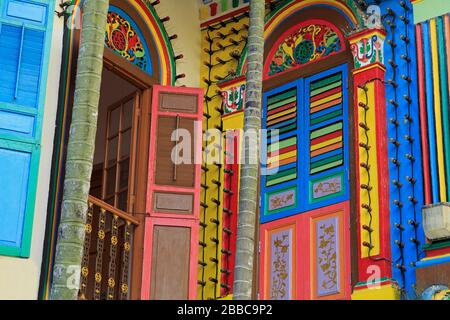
(173, 196)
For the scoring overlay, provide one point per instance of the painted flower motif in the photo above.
(280, 268)
(305, 45)
(123, 39)
(327, 256)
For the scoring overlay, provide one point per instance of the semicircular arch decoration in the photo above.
(307, 42)
(123, 37)
(165, 58)
(347, 8)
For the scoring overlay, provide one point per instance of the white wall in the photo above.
(19, 278)
(185, 22)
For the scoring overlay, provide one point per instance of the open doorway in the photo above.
(115, 147)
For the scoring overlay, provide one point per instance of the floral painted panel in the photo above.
(281, 265)
(327, 248)
(327, 187)
(281, 200)
(309, 43)
(123, 39)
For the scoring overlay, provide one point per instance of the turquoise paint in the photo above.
(26, 147)
(427, 9)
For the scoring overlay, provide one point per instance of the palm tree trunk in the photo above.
(248, 197)
(80, 152)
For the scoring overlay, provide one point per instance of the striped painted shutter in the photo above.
(307, 158)
(282, 116)
(282, 171)
(326, 122)
(24, 36)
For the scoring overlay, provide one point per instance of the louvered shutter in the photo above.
(24, 37)
(326, 132)
(281, 169)
(173, 195)
(306, 164)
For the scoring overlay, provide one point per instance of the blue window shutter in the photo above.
(21, 66)
(10, 46)
(311, 116)
(326, 131)
(14, 170)
(25, 38)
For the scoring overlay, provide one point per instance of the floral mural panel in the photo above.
(308, 42)
(282, 200)
(124, 39)
(327, 257)
(326, 187)
(281, 262)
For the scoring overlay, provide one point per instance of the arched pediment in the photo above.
(354, 16)
(140, 18)
(307, 42)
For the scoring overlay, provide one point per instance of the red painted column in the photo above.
(372, 175)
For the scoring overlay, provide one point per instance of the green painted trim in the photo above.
(282, 130)
(282, 103)
(436, 245)
(323, 162)
(326, 117)
(385, 279)
(282, 144)
(282, 96)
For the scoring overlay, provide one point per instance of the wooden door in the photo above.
(118, 182)
(173, 191)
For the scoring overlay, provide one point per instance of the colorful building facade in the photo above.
(353, 187)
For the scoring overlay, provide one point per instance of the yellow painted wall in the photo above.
(364, 177)
(19, 278)
(184, 21)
